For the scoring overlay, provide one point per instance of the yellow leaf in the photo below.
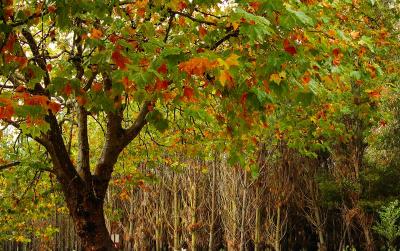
(275, 78)
(232, 60)
(224, 76)
(235, 25)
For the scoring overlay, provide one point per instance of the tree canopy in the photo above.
(92, 81)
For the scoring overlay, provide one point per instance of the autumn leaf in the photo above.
(161, 85)
(67, 90)
(188, 94)
(51, 8)
(288, 47)
(96, 33)
(337, 56)
(224, 77)
(181, 5)
(197, 66)
(162, 69)
(181, 21)
(202, 31)
(7, 110)
(97, 87)
(81, 100)
(120, 60)
(9, 46)
(54, 107)
(232, 60)
(20, 88)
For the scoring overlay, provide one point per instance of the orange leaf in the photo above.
(202, 31)
(181, 21)
(96, 33)
(197, 66)
(20, 88)
(49, 67)
(51, 9)
(6, 112)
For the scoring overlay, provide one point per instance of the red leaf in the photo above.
(96, 87)
(54, 107)
(49, 67)
(243, 98)
(67, 89)
(113, 38)
(182, 5)
(161, 85)
(188, 93)
(6, 112)
(120, 60)
(9, 46)
(162, 69)
(81, 100)
(255, 5)
(289, 48)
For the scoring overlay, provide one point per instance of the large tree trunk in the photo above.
(86, 210)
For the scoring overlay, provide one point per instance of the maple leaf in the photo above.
(161, 85)
(67, 89)
(232, 60)
(188, 94)
(81, 100)
(20, 88)
(182, 5)
(337, 56)
(51, 8)
(202, 31)
(49, 67)
(197, 66)
(40, 100)
(6, 109)
(9, 46)
(288, 47)
(181, 21)
(97, 87)
(54, 107)
(255, 5)
(96, 33)
(129, 85)
(120, 60)
(224, 77)
(162, 69)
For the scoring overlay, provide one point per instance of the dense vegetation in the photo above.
(202, 124)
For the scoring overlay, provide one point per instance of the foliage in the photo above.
(389, 226)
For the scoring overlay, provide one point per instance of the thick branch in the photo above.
(5, 166)
(193, 18)
(83, 145)
(40, 61)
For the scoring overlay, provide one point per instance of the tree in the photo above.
(127, 65)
